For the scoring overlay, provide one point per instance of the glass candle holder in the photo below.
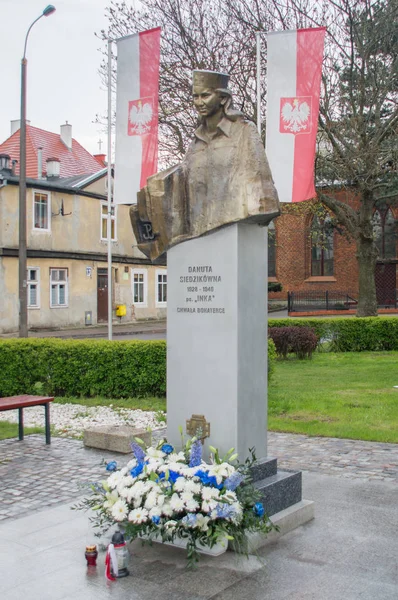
(91, 555)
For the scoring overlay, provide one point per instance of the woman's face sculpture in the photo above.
(207, 101)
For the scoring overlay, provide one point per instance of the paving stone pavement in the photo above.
(35, 476)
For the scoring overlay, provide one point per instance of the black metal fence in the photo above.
(318, 300)
(312, 300)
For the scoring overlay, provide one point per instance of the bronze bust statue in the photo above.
(224, 177)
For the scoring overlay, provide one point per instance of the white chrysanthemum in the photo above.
(123, 471)
(230, 496)
(151, 500)
(128, 480)
(154, 453)
(160, 499)
(131, 464)
(111, 498)
(170, 524)
(124, 493)
(137, 502)
(175, 466)
(138, 515)
(187, 496)
(137, 489)
(167, 510)
(155, 512)
(202, 522)
(209, 493)
(190, 472)
(192, 486)
(238, 512)
(192, 505)
(208, 506)
(114, 479)
(177, 503)
(180, 484)
(153, 466)
(119, 510)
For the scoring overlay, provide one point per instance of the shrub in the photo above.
(83, 367)
(303, 341)
(349, 334)
(87, 367)
(300, 340)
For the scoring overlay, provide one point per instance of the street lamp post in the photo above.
(23, 298)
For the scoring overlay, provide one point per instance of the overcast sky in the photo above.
(63, 61)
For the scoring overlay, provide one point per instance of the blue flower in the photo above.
(196, 454)
(207, 479)
(111, 466)
(173, 476)
(189, 520)
(156, 520)
(167, 448)
(258, 509)
(225, 511)
(138, 452)
(135, 471)
(233, 481)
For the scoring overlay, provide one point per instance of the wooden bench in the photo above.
(21, 402)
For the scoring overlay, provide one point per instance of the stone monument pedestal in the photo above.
(217, 355)
(217, 337)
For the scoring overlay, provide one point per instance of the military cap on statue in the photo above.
(210, 79)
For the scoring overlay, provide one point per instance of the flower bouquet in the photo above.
(169, 496)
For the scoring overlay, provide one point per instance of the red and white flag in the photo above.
(137, 94)
(294, 79)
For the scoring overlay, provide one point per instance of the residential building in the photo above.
(66, 204)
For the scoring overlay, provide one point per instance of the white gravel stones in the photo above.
(72, 419)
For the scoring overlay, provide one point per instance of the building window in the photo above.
(41, 211)
(321, 246)
(161, 288)
(385, 233)
(58, 288)
(33, 287)
(139, 283)
(271, 250)
(104, 222)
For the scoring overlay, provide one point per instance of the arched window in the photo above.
(271, 250)
(321, 246)
(384, 231)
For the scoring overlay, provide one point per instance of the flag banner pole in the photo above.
(294, 69)
(137, 100)
(258, 68)
(109, 219)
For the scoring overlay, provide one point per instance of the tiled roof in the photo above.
(73, 162)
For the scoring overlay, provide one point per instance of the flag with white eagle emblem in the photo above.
(137, 92)
(294, 69)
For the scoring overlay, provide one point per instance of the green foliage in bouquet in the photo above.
(163, 495)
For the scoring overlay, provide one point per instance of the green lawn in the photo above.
(10, 430)
(346, 395)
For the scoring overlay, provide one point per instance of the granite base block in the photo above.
(264, 467)
(115, 438)
(280, 491)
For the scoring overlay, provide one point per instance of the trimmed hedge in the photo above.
(350, 334)
(87, 367)
(83, 367)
